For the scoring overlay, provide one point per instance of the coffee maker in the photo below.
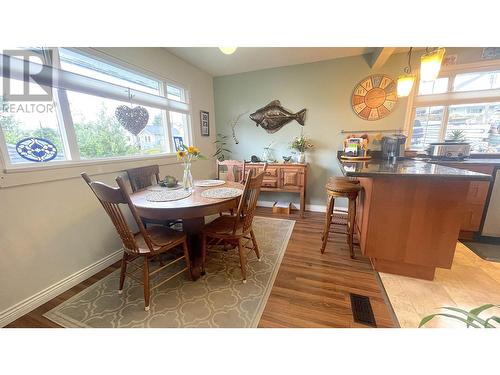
(393, 146)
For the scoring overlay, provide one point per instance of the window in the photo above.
(460, 105)
(179, 123)
(80, 118)
(438, 86)
(100, 135)
(427, 126)
(477, 81)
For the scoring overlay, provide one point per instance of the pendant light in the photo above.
(405, 81)
(430, 64)
(228, 50)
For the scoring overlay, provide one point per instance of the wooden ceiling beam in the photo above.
(380, 56)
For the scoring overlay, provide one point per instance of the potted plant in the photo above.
(470, 318)
(301, 144)
(221, 152)
(456, 136)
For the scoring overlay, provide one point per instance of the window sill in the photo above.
(31, 167)
(66, 170)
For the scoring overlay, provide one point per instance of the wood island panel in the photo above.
(409, 226)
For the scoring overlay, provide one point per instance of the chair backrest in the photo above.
(249, 198)
(111, 198)
(235, 170)
(143, 176)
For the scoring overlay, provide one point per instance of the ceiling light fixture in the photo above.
(430, 64)
(405, 81)
(228, 50)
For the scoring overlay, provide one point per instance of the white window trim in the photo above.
(69, 139)
(449, 98)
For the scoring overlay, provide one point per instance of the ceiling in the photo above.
(247, 59)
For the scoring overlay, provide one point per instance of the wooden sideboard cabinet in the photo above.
(291, 178)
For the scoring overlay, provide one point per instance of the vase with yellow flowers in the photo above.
(187, 154)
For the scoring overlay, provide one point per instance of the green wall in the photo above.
(324, 89)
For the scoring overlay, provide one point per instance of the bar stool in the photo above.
(341, 187)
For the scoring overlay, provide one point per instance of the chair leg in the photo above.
(203, 253)
(188, 261)
(243, 261)
(122, 273)
(328, 222)
(255, 247)
(146, 283)
(350, 225)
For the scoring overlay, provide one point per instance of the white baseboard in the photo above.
(19, 309)
(309, 207)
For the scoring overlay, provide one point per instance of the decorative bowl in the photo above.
(168, 181)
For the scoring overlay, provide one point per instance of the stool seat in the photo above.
(341, 186)
(352, 180)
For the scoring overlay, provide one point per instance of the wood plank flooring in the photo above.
(471, 282)
(311, 289)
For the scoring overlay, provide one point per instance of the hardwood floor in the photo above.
(311, 289)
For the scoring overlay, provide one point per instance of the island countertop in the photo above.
(406, 168)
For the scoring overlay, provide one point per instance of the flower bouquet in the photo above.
(187, 155)
(301, 144)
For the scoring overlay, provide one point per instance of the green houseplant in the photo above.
(470, 318)
(221, 152)
(301, 144)
(457, 136)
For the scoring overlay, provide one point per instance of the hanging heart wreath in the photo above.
(133, 119)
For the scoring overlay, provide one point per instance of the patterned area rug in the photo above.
(218, 299)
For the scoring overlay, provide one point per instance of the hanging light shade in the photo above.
(405, 84)
(228, 50)
(405, 81)
(430, 64)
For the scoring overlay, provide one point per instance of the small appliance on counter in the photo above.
(393, 146)
(356, 148)
(449, 150)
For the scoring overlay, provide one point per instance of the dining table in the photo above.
(192, 210)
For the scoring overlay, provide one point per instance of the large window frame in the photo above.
(67, 130)
(450, 97)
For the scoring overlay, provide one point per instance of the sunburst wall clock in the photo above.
(374, 97)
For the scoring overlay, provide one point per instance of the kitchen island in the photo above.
(409, 213)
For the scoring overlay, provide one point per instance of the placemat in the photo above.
(209, 183)
(221, 193)
(167, 195)
(164, 188)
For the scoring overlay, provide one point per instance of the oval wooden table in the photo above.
(192, 210)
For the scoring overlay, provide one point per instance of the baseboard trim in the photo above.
(309, 207)
(19, 309)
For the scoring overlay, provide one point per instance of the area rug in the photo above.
(486, 251)
(218, 299)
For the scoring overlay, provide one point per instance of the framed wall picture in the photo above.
(204, 123)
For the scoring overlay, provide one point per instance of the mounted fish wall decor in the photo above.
(273, 117)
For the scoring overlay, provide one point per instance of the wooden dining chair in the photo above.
(234, 229)
(235, 170)
(143, 177)
(144, 243)
(235, 173)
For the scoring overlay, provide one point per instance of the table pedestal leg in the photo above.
(192, 227)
